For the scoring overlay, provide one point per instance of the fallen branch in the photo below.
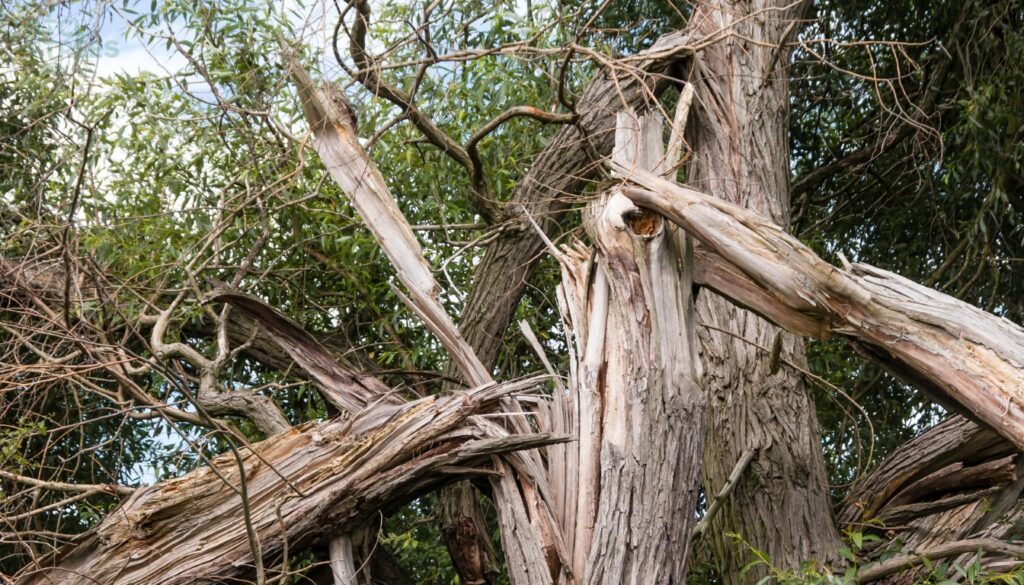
(345, 389)
(955, 352)
(902, 563)
(188, 529)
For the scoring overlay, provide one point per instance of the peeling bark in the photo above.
(739, 136)
(954, 482)
(638, 402)
(563, 170)
(942, 345)
(302, 485)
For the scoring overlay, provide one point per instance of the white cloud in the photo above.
(135, 58)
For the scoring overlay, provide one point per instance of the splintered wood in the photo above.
(634, 398)
(966, 358)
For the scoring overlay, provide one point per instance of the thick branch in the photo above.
(339, 472)
(336, 143)
(902, 563)
(970, 357)
(951, 442)
(347, 390)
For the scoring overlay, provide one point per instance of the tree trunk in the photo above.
(956, 481)
(741, 153)
(565, 167)
(637, 400)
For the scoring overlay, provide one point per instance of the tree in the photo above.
(107, 329)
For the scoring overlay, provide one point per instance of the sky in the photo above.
(113, 51)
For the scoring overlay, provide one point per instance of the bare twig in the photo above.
(730, 484)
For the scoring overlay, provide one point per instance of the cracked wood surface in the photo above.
(958, 480)
(940, 344)
(634, 398)
(339, 473)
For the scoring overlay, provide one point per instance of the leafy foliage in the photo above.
(156, 184)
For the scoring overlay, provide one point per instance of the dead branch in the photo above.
(186, 528)
(904, 562)
(944, 346)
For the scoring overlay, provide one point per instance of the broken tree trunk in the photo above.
(634, 389)
(567, 165)
(289, 490)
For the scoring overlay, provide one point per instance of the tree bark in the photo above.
(956, 352)
(533, 551)
(954, 482)
(563, 170)
(466, 535)
(560, 173)
(298, 487)
(741, 154)
(957, 481)
(635, 384)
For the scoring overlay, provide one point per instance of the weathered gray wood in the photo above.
(330, 118)
(957, 480)
(191, 529)
(950, 348)
(556, 176)
(636, 385)
(343, 562)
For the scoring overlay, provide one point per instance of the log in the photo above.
(302, 486)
